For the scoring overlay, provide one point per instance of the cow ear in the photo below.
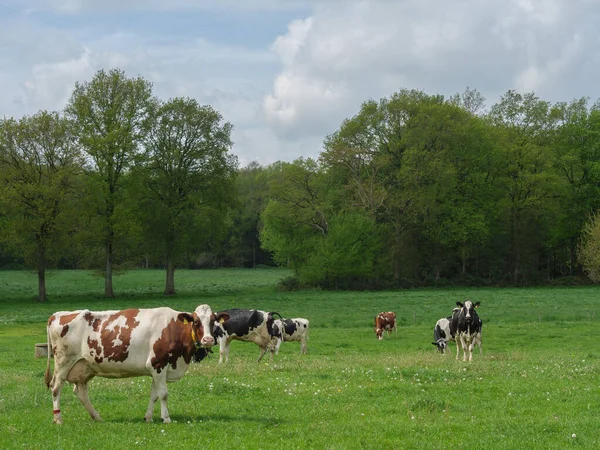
(222, 317)
(459, 304)
(185, 317)
(477, 304)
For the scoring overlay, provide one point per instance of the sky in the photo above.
(286, 73)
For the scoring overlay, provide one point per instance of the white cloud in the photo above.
(335, 54)
(341, 56)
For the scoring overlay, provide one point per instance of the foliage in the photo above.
(455, 193)
(40, 163)
(186, 180)
(589, 248)
(112, 114)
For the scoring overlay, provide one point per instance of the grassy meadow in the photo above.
(537, 385)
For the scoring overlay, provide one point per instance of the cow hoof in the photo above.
(167, 420)
(148, 419)
(58, 421)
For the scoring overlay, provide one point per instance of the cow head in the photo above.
(277, 331)
(467, 310)
(203, 322)
(274, 332)
(441, 344)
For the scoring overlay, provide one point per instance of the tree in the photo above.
(589, 247)
(40, 163)
(188, 179)
(112, 113)
(526, 178)
(244, 248)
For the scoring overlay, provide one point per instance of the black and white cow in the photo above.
(466, 326)
(441, 332)
(248, 325)
(289, 330)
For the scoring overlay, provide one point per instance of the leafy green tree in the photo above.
(188, 180)
(244, 249)
(295, 218)
(40, 163)
(527, 181)
(589, 247)
(112, 113)
(576, 149)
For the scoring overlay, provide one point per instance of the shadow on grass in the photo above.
(184, 419)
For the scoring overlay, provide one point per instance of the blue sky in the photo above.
(287, 72)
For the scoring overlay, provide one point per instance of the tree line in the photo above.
(415, 189)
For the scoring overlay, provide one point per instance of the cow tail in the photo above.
(48, 375)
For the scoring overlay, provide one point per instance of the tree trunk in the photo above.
(108, 286)
(41, 269)
(170, 285)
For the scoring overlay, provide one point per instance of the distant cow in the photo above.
(385, 321)
(441, 332)
(466, 327)
(248, 325)
(158, 342)
(289, 330)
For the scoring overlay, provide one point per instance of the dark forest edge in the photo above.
(414, 190)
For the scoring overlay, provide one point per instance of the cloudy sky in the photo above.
(287, 72)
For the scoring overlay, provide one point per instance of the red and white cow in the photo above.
(289, 330)
(158, 342)
(385, 321)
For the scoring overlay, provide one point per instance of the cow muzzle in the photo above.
(207, 341)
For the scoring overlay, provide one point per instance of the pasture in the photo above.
(537, 385)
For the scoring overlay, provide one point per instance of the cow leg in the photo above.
(153, 398)
(272, 352)
(303, 347)
(263, 350)
(57, 384)
(457, 346)
(279, 341)
(61, 370)
(81, 389)
(159, 391)
(223, 350)
(163, 395)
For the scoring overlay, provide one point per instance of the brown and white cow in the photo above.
(158, 342)
(385, 321)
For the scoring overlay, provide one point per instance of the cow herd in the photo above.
(161, 343)
(463, 326)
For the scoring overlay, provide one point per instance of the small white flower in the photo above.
(573, 435)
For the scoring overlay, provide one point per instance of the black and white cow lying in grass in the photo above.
(288, 330)
(248, 325)
(465, 326)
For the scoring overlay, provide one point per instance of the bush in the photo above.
(291, 283)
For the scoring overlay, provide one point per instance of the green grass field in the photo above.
(537, 385)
